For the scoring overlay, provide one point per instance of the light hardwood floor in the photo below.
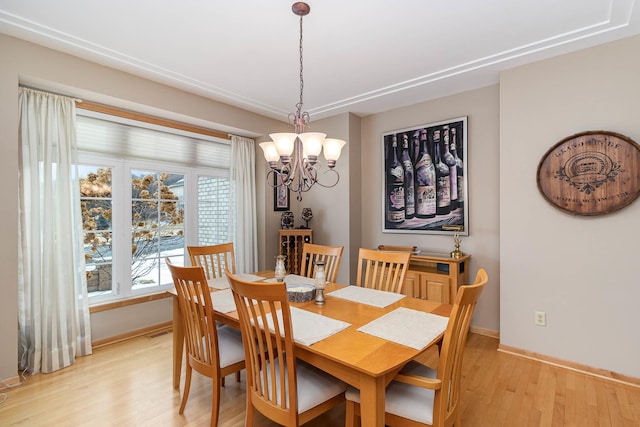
(129, 384)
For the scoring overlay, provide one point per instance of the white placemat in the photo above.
(367, 296)
(223, 283)
(294, 279)
(223, 301)
(308, 327)
(408, 327)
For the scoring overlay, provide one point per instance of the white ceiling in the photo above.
(361, 56)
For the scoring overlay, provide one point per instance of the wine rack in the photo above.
(291, 244)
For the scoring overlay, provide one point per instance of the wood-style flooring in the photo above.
(129, 384)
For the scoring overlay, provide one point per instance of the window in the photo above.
(139, 208)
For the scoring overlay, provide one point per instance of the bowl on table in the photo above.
(301, 292)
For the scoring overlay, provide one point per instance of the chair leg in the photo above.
(350, 414)
(250, 412)
(238, 376)
(215, 401)
(187, 386)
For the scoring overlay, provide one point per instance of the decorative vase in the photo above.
(286, 220)
(306, 216)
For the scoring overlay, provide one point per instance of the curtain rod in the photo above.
(77, 100)
(240, 136)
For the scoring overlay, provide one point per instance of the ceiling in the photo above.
(360, 56)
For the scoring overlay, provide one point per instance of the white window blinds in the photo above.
(128, 139)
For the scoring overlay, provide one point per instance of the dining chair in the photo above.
(419, 395)
(285, 390)
(382, 270)
(331, 255)
(212, 351)
(213, 258)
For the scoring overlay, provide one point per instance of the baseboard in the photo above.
(577, 367)
(151, 330)
(486, 332)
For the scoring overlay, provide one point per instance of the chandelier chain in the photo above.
(299, 106)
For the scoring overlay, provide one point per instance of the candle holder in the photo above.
(280, 270)
(456, 253)
(320, 282)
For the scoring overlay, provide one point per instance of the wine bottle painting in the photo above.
(425, 179)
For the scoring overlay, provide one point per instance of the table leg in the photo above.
(178, 343)
(372, 401)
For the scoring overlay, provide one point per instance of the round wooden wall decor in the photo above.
(591, 173)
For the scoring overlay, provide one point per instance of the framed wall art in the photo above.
(591, 173)
(425, 179)
(280, 193)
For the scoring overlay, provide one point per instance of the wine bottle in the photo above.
(459, 166)
(443, 184)
(395, 186)
(414, 149)
(409, 183)
(450, 161)
(425, 181)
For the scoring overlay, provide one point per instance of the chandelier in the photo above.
(294, 156)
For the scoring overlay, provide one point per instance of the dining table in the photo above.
(362, 360)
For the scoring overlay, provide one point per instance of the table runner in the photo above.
(367, 296)
(408, 327)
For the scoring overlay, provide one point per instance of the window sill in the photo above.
(127, 302)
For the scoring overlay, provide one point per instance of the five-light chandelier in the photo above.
(293, 156)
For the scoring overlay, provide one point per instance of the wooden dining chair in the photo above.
(212, 351)
(331, 255)
(282, 388)
(419, 395)
(214, 259)
(382, 270)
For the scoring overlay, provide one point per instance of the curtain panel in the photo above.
(52, 295)
(243, 204)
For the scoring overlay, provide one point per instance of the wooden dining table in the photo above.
(364, 361)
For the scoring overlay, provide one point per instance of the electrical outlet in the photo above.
(541, 318)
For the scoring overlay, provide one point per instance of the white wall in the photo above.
(482, 109)
(582, 271)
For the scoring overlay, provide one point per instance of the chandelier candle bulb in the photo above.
(284, 143)
(270, 153)
(332, 150)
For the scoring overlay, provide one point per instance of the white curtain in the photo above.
(243, 205)
(52, 294)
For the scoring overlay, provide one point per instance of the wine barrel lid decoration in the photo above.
(591, 173)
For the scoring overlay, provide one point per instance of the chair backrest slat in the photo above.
(331, 255)
(382, 270)
(215, 259)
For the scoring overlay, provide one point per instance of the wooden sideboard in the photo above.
(291, 243)
(436, 276)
